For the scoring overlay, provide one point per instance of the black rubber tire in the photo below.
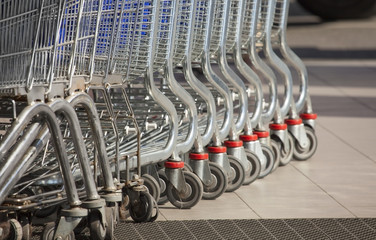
(15, 232)
(152, 185)
(340, 9)
(239, 174)
(270, 158)
(49, 230)
(286, 157)
(97, 230)
(275, 145)
(256, 167)
(191, 197)
(143, 209)
(163, 182)
(219, 185)
(304, 154)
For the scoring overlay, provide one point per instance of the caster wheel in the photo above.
(141, 210)
(286, 157)
(26, 228)
(111, 221)
(163, 181)
(277, 153)
(270, 158)
(187, 168)
(237, 174)
(256, 167)
(152, 185)
(218, 184)
(97, 230)
(302, 154)
(192, 194)
(15, 232)
(49, 231)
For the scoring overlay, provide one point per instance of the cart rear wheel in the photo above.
(152, 185)
(26, 227)
(111, 221)
(97, 229)
(237, 175)
(270, 158)
(49, 231)
(15, 230)
(219, 182)
(302, 154)
(256, 167)
(275, 145)
(141, 210)
(163, 181)
(192, 194)
(286, 157)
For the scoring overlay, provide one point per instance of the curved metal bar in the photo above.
(244, 69)
(14, 168)
(84, 100)
(198, 86)
(18, 126)
(161, 99)
(213, 78)
(60, 106)
(292, 58)
(178, 90)
(229, 74)
(275, 61)
(261, 66)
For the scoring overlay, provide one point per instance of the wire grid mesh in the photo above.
(200, 29)
(76, 38)
(261, 22)
(124, 39)
(248, 30)
(232, 31)
(27, 33)
(182, 28)
(218, 21)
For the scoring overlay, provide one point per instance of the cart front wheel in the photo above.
(256, 167)
(270, 158)
(152, 185)
(218, 184)
(302, 154)
(190, 196)
(237, 174)
(286, 157)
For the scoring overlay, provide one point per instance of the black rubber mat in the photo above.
(349, 228)
(356, 228)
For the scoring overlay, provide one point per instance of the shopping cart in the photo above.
(303, 150)
(40, 177)
(234, 49)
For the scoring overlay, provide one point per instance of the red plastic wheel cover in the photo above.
(174, 165)
(198, 156)
(308, 116)
(248, 138)
(233, 144)
(275, 126)
(217, 149)
(293, 121)
(263, 134)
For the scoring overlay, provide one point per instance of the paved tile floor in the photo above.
(340, 180)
